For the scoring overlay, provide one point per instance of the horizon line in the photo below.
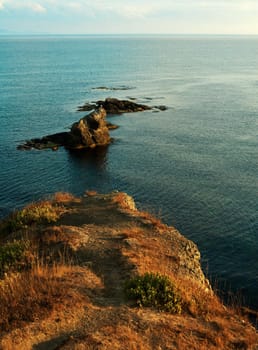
(122, 34)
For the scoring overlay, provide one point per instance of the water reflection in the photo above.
(95, 158)
(87, 169)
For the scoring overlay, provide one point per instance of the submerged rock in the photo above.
(87, 107)
(161, 107)
(122, 87)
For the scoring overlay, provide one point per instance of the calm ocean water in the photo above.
(195, 164)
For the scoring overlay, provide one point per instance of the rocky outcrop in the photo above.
(88, 132)
(113, 88)
(115, 106)
(91, 130)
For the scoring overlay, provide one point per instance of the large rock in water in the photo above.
(88, 132)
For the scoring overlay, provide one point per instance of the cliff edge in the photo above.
(64, 266)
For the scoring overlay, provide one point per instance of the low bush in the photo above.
(42, 212)
(154, 290)
(14, 256)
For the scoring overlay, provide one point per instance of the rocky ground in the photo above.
(88, 250)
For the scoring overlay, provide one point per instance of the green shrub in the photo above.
(13, 256)
(43, 212)
(154, 290)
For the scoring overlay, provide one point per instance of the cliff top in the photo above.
(64, 265)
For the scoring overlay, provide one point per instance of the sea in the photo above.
(195, 165)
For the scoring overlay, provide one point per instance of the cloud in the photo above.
(21, 4)
(236, 4)
(141, 9)
(1, 5)
(135, 10)
(191, 16)
(102, 8)
(36, 7)
(145, 9)
(128, 9)
(75, 5)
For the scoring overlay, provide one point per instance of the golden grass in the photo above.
(149, 253)
(215, 326)
(199, 301)
(123, 201)
(153, 220)
(29, 295)
(16, 255)
(91, 193)
(65, 197)
(43, 212)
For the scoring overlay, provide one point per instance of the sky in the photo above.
(129, 17)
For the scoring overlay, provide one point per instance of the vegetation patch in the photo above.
(65, 197)
(14, 256)
(40, 213)
(30, 295)
(154, 290)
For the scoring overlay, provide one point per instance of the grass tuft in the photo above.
(91, 193)
(64, 197)
(15, 256)
(29, 295)
(37, 213)
(153, 220)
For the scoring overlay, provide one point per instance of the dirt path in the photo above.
(103, 224)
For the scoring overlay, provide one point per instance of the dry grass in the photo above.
(91, 193)
(147, 254)
(148, 251)
(123, 201)
(153, 220)
(198, 300)
(27, 296)
(16, 255)
(44, 212)
(208, 324)
(65, 197)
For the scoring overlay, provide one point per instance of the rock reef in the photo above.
(113, 88)
(115, 106)
(90, 131)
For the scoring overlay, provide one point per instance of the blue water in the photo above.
(195, 164)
